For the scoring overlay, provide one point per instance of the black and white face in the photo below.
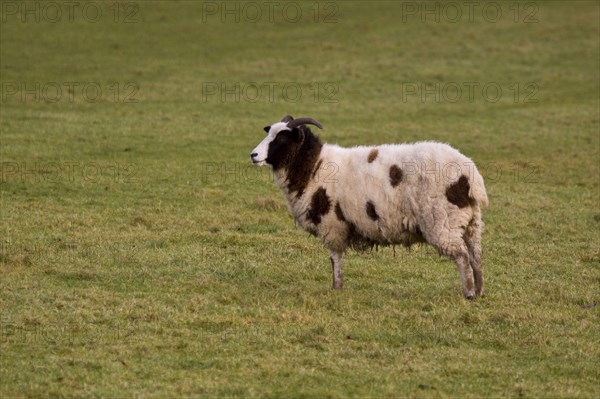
(274, 148)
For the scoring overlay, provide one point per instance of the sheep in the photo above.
(426, 192)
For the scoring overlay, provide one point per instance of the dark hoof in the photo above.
(470, 297)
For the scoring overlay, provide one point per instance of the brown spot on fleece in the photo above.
(458, 192)
(371, 211)
(372, 155)
(319, 205)
(339, 213)
(395, 175)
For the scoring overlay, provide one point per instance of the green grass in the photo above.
(156, 263)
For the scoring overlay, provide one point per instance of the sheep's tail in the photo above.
(477, 190)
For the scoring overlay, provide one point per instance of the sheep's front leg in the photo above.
(336, 264)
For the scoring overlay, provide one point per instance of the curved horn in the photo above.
(287, 118)
(304, 121)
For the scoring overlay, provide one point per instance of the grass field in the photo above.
(141, 256)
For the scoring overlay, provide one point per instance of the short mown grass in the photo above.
(142, 257)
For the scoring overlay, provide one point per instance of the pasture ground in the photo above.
(142, 257)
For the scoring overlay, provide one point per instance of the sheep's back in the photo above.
(385, 190)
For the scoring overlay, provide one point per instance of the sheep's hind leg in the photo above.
(461, 259)
(476, 265)
(458, 252)
(473, 240)
(336, 264)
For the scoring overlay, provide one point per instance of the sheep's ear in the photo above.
(267, 128)
(287, 118)
(298, 135)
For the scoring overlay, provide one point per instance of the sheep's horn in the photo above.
(304, 121)
(287, 118)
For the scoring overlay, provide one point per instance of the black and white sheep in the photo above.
(389, 194)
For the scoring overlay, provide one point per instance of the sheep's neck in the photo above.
(295, 176)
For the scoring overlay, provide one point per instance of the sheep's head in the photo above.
(283, 140)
